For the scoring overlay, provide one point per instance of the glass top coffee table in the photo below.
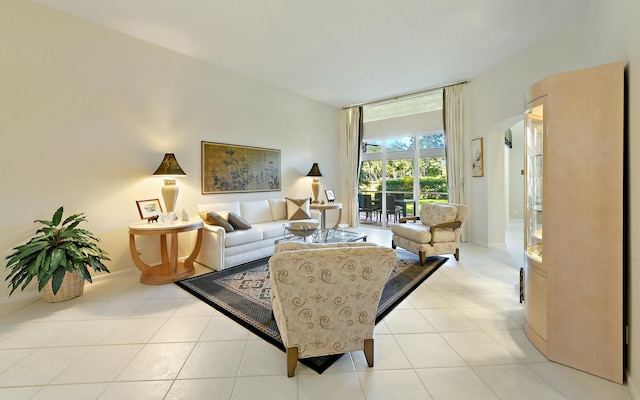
(327, 236)
(338, 236)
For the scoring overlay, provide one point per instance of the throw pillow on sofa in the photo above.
(278, 209)
(213, 218)
(298, 209)
(238, 222)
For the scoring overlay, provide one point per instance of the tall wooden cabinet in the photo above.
(574, 238)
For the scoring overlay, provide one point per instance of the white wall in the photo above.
(516, 179)
(404, 126)
(87, 114)
(608, 32)
(494, 101)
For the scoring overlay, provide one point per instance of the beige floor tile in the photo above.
(221, 327)
(19, 393)
(33, 335)
(428, 350)
(578, 385)
(387, 355)
(425, 297)
(489, 319)
(84, 333)
(193, 307)
(519, 345)
(183, 329)
(448, 320)
(11, 357)
(157, 361)
(334, 386)
(262, 358)
(41, 366)
(478, 348)
(407, 321)
(392, 385)
(158, 308)
(461, 298)
(193, 389)
(455, 384)
(98, 364)
(517, 382)
(66, 392)
(117, 309)
(214, 360)
(149, 390)
(133, 331)
(266, 388)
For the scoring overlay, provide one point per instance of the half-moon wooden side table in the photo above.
(170, 269)
(323, 209)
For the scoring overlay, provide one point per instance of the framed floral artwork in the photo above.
(477, 161)
(232, 168)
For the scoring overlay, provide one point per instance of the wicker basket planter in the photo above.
(58, 257)
(72, 287)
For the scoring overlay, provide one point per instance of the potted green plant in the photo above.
(58, 257)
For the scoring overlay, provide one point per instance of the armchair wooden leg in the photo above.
(423, 257)
(368, 351)
(292, 360)
(393, 245)
(457, 255)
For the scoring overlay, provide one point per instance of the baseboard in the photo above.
(633, 391)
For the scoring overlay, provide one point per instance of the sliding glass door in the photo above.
(412, 174)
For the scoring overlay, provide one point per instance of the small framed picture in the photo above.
(149, 208)
(330, 196)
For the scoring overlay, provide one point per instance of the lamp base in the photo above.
(170, 194)
(315, 188)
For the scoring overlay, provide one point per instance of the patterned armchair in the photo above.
(325, 297)
(436, 231)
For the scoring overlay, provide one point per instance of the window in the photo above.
(404, 153)
(400, 144)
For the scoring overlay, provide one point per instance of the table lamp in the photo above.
(315, 185)
(169, 169)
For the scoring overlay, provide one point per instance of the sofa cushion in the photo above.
(278, 209)
(415, 232)
(238, 222)
(433, 214)
(256, 211)
(237, 238)
(218, 207)
(272, 229)
(214, 218)
(298, 209)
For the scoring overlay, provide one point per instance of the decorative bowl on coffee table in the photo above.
(300, 229)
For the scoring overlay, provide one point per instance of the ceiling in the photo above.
(339, 52)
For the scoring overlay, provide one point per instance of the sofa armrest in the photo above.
(403, 220)
(445, 225)
(212, 252)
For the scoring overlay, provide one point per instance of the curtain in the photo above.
(454, 146)
(354, 131)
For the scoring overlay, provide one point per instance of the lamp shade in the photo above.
(315, 170)
(169, 166)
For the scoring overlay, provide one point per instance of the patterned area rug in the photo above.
(243, 293)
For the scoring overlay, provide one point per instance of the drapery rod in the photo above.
(404, 96)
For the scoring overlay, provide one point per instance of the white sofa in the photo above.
(221, 249)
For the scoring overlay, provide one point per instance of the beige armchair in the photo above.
(325, 297)
(436, 231)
